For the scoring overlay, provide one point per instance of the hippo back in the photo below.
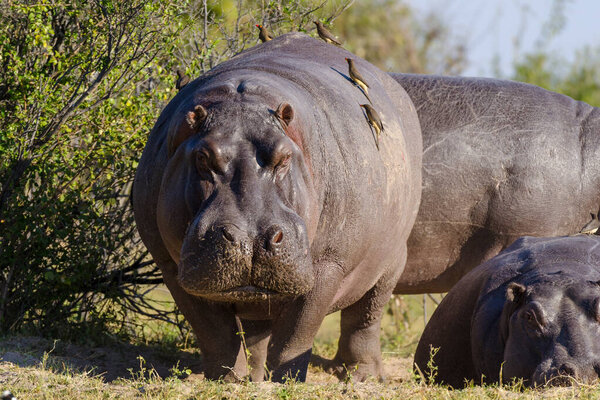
(501, 160)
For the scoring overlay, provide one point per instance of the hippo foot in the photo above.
(357, 372)
(294, 369)
(229, 375)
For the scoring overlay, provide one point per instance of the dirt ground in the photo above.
(121, 360)
(41, 369)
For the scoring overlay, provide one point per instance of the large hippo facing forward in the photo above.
(501, 160)
(531, 312)
(263, 197)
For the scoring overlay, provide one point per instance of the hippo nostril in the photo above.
(567, 369)
(228, 235)
(274, 237)
(277, 238)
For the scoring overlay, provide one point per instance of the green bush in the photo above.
(76, 101)
(579, 79)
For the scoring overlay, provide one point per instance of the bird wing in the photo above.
(358, 76)
(379, 123)
(329, 35)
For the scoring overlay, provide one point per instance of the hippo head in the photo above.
(235, 201)
(551, 332)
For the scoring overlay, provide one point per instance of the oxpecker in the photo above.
(375, 121)
(182, 80)
(326, 35)
(264, 35)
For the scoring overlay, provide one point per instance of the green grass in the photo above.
(401, 327)
(52, 370)
(44, 382)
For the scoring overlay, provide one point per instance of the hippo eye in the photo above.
(282, 165)
(532, 322)
(533, 317)
(203, 164)
(202, 159)
(284, 161)
(281, 157)
(529, 317)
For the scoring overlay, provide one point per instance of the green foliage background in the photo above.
(76, 91)
(81, 84)
(579, 79)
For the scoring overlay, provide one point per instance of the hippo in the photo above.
(264, 200)
(501, 160)
(532, 312)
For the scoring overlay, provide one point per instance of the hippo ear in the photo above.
(194, 120)
(515, 292)
(285, 113)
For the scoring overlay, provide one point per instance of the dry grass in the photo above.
(36, 368)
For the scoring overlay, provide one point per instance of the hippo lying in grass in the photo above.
(531, 312)
(501, 160)
(263, 197)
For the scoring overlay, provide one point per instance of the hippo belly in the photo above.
(501, 160)
(267, 202)
(530, 313)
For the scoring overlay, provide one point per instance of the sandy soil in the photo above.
(122, 360)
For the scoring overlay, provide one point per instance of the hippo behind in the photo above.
(531, 312)
(263, 198)
(501, 160)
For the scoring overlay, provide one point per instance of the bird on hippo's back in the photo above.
(326, 35)
(374, 120)
(264, 34)
(182, 80)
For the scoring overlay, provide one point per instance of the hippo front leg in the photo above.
(256, 336)
(216, 331)
(359, 347)
(293, 332)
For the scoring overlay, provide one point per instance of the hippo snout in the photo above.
(564, 374)
(228, 263)
(233, 234)
(219, 258)
(281, 261)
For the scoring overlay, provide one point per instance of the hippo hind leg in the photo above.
(359, 348)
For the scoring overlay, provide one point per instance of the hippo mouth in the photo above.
(246, 294)
(218, 268)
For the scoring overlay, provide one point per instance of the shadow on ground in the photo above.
(126, 361)
(118, 360)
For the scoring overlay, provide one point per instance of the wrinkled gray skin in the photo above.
(270, 225)
(501, 160)
(531, 312)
